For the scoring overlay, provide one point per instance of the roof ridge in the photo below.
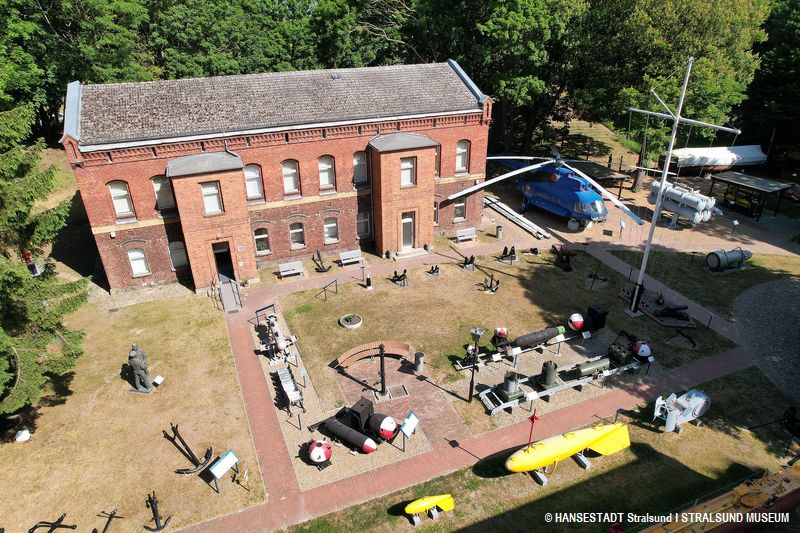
(276, 73)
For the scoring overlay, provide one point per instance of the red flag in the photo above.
(533, 418)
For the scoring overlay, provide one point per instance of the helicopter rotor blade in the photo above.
(610, 197)
(517, 157)
(501, 177)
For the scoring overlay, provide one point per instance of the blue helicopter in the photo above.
(557, 187)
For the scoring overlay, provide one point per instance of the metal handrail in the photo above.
(324, 290)
(236, 293)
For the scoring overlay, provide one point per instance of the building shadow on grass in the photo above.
(74, 245)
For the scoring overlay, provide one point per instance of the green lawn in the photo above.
(435, 315)
(714, 291)
(658, 473)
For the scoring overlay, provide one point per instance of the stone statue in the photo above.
(137, 360)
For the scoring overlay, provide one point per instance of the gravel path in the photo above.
(767, 318)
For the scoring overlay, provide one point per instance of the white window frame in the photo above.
(326, 165)
(118, 196)
(262, 237)
(462, 156)
(290, 169)
(331, 237)
(140, 258)
(178, 248)
(253, 184)
(165, 199)
(294, 231)
(363, 218)
(463, 204)
(360, 170)
(408, 171)
(211, 190)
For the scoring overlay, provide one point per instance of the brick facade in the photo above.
(151, 231)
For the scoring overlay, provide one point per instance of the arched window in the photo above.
(360, 168)
(252, 182)
(297, 235)
(177, 254)
(462, 156)
(291, 177)
(327, 172)
(261, 236)
(460, 209)
(138, 262)
(362, 224)
(165, 200)
(212, 198)
(331, 230)
(121, 198)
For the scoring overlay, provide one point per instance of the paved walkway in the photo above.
(287, 505)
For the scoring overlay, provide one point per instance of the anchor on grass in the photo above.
(187, 452)
(109, 518)
(52, 525)
(491, 284)
(152, 504)
(320, 263)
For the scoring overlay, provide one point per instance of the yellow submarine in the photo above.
(604, 439)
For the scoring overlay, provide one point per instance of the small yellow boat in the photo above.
(443, 501)
(604, 439)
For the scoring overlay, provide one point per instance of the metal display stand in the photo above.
(221, 467)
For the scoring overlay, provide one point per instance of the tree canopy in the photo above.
(34, 343)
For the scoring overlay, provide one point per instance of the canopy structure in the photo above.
(748, 194)
(718, 157)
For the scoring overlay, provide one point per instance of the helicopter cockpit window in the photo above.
(597, 206)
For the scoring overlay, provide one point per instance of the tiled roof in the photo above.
(129, 112)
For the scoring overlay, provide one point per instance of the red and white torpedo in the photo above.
(319, 451)
(383, 426)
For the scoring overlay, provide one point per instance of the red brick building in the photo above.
(189, 179)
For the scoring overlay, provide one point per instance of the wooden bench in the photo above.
(354, 256)
(466, 234)
(398, 350)
(287, 269)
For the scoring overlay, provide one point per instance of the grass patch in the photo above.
(658, 473)
(435, 315)
(716, 292)
(97, 446)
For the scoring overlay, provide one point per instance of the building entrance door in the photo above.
(408, 230)
(224, 263)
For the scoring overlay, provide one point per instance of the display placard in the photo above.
(409, 425)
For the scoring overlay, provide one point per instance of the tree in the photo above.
(193, 38)
(49, 43)
(34, 343)
(627, 47)
(773, 103)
